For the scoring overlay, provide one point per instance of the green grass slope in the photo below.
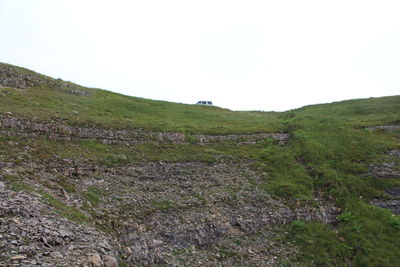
(329, 157)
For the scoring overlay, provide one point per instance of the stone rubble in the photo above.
(157, 209)
(32, 234)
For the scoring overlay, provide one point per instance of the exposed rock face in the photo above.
(385, 170)
(388, 128)
(388, 169)
(394, 152)
(75, 91)
(15, 127)
(10, 77)
(393, 205)
(59, 131)
(246, 138)
(21, 79)
(395, 191)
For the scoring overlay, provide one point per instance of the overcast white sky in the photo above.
(242, 55)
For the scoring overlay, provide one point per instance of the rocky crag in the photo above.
(16, 127)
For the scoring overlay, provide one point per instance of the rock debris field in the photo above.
(144, 214)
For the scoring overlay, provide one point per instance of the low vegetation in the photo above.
(328, 157)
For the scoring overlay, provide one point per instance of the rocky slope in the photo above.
(154, 213)
(33, 234)
(77, 192)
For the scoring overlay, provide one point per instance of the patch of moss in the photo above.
(68, 212)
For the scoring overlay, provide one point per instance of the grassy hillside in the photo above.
(330, 159)
(109, 109)
(330, 155)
